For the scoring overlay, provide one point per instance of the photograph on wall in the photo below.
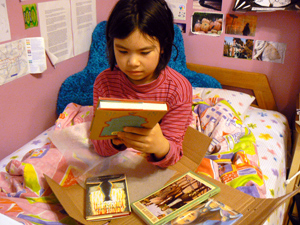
(266, 5)
(240, 48)
(182, 27)
(269, 51)
(178, 8)
(207, 23)
(207, 5)
(238, 24)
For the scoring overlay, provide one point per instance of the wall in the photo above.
(28, 103)
(277, 26)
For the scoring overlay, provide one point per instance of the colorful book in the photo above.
(208, 212)
(174, 198)
(107, 197)
(112, 115)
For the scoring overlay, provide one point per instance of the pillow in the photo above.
(238, 100)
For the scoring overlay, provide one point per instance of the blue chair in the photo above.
(78, 88)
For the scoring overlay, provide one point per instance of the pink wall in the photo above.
(280, 27)
(28, 103)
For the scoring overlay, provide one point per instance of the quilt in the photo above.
(67, 158)
(232, 155)
(26, 197)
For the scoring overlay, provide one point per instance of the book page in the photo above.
(128, 104)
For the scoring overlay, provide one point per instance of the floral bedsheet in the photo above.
(232, 155)
(272, 134)
(272, 139)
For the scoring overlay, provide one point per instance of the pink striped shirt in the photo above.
(171, 87)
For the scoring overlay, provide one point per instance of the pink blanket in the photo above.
(25, 195)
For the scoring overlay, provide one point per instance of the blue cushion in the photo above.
(78, 88)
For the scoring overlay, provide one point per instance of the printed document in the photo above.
(55, 25)
(84, 22)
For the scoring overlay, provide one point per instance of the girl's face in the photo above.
(137, 56)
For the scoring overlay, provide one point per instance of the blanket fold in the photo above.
(232, 155)
(26, 197)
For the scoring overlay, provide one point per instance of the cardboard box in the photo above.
(254, 210)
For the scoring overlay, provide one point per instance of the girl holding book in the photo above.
(139, 36)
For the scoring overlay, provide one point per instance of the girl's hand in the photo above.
(145, 140)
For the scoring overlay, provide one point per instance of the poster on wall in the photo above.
(239, 24)
(178, 8)
(266, 5)
(240, 48)
(30, 15)
(205, 23)
(269, 51)
(4, 23)
(207, 5)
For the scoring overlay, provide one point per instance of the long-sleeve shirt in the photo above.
(171, 87)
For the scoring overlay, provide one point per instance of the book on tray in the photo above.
(106, 197)
(178, 196)
(112, 115)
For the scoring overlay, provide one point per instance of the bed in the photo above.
(26, 197)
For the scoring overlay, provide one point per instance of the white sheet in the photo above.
(273, 141)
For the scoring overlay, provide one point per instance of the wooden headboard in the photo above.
(256, 82)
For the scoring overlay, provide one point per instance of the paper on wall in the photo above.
(55, 25)
(84, 22)
(36, 54)
(4, 23)
(67, 29)
(22, 57)
(178, 8)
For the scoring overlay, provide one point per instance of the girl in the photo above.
(139, 36)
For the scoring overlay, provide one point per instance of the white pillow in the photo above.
(238, 100)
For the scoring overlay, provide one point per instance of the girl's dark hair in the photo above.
(150, 17)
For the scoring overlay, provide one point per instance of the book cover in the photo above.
(107, 197)
(119, 113)
(208, 212)
(174, 198)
